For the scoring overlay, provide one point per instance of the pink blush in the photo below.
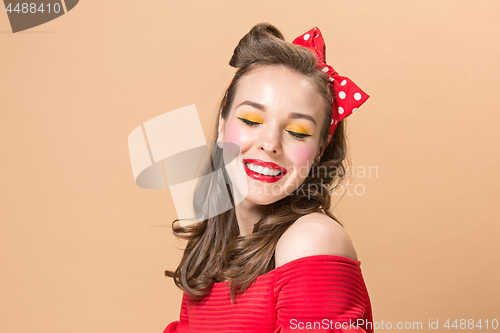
(302, 155)
(234, 136)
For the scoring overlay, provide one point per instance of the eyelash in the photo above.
(248, 122)
(299, 136)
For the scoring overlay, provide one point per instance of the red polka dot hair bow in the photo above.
(348, 96)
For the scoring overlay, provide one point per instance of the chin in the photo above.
(262, 200)
(265, 195)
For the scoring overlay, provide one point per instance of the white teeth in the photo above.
(263, 171)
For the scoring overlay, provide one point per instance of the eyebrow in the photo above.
(263, 108)
(255, 105)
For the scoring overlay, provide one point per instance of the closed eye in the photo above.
(299, 135)
(295, 134)
(249, 122)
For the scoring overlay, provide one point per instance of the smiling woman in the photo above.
(276, 121)
(279, 255)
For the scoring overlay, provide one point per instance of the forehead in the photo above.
(280, 88)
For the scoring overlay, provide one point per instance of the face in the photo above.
(276, 119)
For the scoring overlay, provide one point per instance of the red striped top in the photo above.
(319, 293)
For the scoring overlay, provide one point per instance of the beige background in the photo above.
(79, 250)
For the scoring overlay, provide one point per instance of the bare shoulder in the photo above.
(313, 234)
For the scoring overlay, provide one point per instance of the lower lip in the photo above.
(262, 178)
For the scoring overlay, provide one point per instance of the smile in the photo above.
(264, 171)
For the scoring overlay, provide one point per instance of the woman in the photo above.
(279, 260)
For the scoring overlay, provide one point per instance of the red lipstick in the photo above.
(264, 178)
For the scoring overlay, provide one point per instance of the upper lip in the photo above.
(265, 164)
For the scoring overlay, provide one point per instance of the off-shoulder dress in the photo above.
(318, 293)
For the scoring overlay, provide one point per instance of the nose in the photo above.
(270, 142)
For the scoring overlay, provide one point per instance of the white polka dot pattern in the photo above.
(346, 95)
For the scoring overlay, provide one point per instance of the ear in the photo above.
(220, 130)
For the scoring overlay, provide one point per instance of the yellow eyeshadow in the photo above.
(299, 128)
(251, 116)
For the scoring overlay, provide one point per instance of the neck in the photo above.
(248, 214)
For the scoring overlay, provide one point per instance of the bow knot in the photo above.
(346, 95)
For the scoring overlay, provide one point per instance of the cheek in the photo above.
(235, 135)
(303, 155)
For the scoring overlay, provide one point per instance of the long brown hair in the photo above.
(215, 251)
